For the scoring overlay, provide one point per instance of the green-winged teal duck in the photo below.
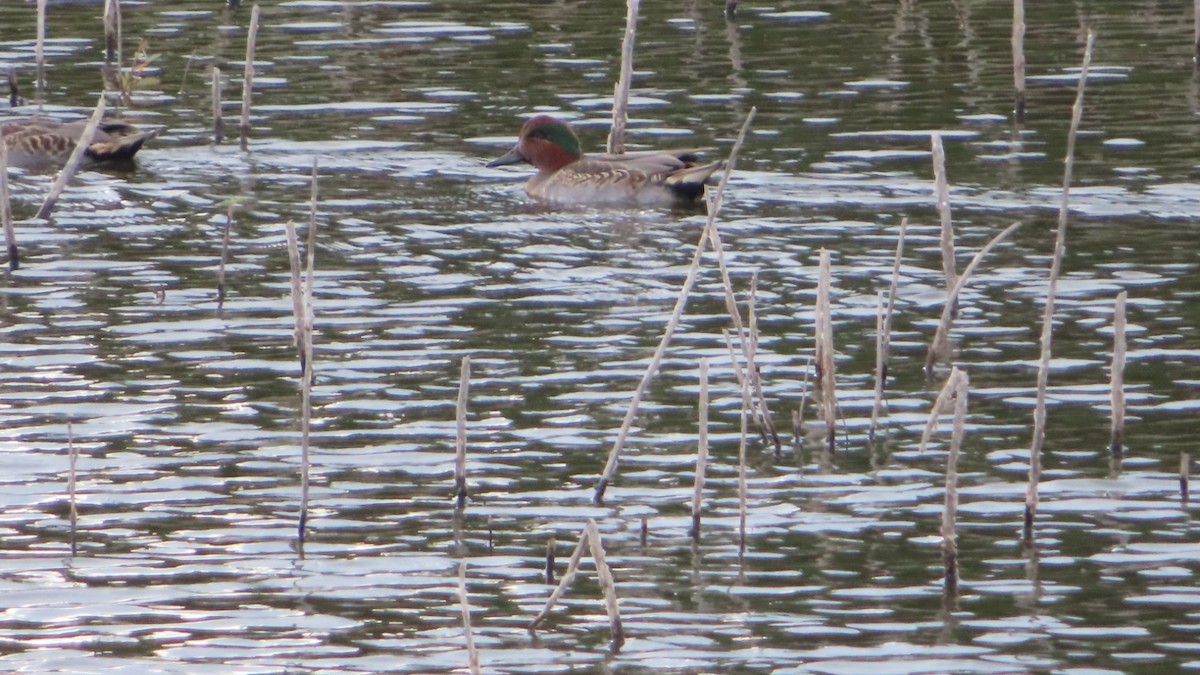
(40, 142)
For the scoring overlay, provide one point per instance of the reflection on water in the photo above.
(186, 415)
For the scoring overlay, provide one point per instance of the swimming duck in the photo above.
(38, 143)
(567, 176)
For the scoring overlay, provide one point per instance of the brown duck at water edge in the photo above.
(567, 176)
(40, 143)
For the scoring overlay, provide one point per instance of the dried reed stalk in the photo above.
(10, 234)
(1185, 469)
(218, 119)
(1060, 245)
(742, 377)
(701, 453)
(460, 435)
(14, 94)
(1117, 382)
(607, 584)
(731, 9)
(72, 462)
(39, 53)
(941, 188)
(1018, 56)
(566, 580)
(301, 335)
(714, 206)
(940, 345)
(747, 411)
(224, 257)
(826, 384)
(1196, 20)
(550, 560)
(64, 176)
(112, 31)
(763, 415)
(883, 342)
(616, 135)
(960, 383)
(248, 77)
(465, 604)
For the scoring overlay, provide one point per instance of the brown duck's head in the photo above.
(545, 142)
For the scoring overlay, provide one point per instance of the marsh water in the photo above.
(186, 415)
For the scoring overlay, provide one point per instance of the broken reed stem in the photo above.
(465, 604)
(616, 135)
(826, 382)
(1185, 469)
(224, 258)
(960, 383)
(747, 411)
(10, 234)
(607, 584)
(763, 416)
(1060, 245)
(218, 120)
(550, 560)
(731, 8)
(72, 462)
(941, 191)
(1117, 382)
(567, 579)
(64, 176)
(1018, 56)
(940, 344)
(701, 453)
(884, 332)
(112, 23)
(709, 234)
(39, 52)
(303, 334)
(460, 435)
(248, 77)
(14, 94)
(798, 414)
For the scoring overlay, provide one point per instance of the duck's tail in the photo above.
(117, 141)
(688, 184)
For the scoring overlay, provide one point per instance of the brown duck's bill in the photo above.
(514, 156)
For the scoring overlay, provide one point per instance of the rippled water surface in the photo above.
(186, 415)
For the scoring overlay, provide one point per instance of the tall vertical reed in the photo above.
(112, 32)
(1060, 244)
(616, 135)
(72, 462)
(826, 384)
(39, 53)
(701, 453)
(709, 234)
(460, 434)
(64, 176)
(465, 604)
(883, 339)
(1018, 57)
(1117, 383)
(248, 77)
(218, 120)
(941, 187)
(550, 544)
(304, 344)
(10, 234)
(960, 382)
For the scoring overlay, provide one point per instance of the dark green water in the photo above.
(186, 416)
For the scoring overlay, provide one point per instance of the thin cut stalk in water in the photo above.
(942, 194)
(607, 584)
(610, 467)
(71, 463)
(1060, 245)
(1018, 56)
(14, 94)
(218, 120)
(767, 425)
(701, 453)
(959, 382)
(460, 435)
(248, 77)
(1185, 469)
(567, 579)
(1117, 383)
(303, 339)
(747, 411)
(826, 379)
(550, 544)
(10, 234)
(465, 604)
(940, 346)
(64, 176)
(884, 339)
(616, 135)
